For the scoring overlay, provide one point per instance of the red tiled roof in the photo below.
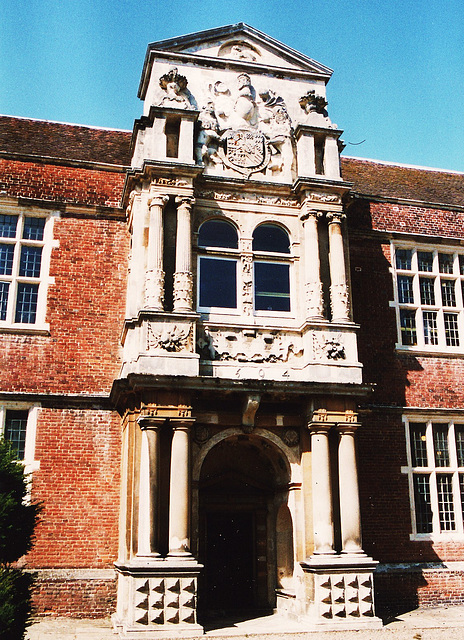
(372, 178)
(68, 141)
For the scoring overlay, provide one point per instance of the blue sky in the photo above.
(397, 88)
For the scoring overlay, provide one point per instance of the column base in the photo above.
(343, 588)
(157, 598)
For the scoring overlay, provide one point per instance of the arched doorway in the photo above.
(243, 484)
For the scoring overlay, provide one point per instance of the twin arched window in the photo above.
(218, 264)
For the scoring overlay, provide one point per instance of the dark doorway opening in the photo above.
(230, 557)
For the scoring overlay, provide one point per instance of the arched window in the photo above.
(217, 265)
(271, 245)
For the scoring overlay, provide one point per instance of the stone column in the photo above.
(179, 492)
(183, 281)
(149, 541)
(312, 271)
(322, 490)
(154, 278)
(350, 516)
(338, 288)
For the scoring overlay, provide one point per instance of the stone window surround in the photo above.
(10, 207)
(244, 256)
(432, 470)
(29, 462)
(417, 307)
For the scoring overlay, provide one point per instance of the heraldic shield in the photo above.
(245, 151)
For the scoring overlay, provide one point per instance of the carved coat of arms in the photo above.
(245, 151)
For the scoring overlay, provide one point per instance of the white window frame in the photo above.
(274, 258)
(44, 280)
(432, 470)
(418, 308)
(230, 255)
(29, 462)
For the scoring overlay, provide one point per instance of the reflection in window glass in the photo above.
(440, 445)
(218, 233)
(403, 259)
(270, 237)
(408, 327)
(405, 292)
(418, 445)
(272, 286)
(425, 260)
(445, 262)
(8, 226)
(218, 283)
(423, 503)
(427, 291)
(429, 319)
(15, 431)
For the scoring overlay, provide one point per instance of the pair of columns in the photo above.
(350, 517)
(183, 279)
(339, 298)
(179, 489)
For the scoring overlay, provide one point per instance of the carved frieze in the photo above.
(255, 346)
(183, 287)
(340, 299)
(314, 299)
(246, 197)
(332, 198)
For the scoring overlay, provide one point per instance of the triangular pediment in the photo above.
(240, 44)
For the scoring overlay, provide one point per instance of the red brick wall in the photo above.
(85, 309)
(54, 182)
(78, 482)
(74, 598)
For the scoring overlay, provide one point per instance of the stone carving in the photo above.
(201, 434)
(154, 288)
(339, 298)
(312, 103)
(170, 182)
(242, 132)
(165, 601)
(169, 337)
(329, 346)
(253, 346)
(175, 86)
(345, 595)
(206, 148)
(238, 50)
(183, 287)
(236, 196)
(314, 299)
(291, 437)
(315, 196)
(247, 283)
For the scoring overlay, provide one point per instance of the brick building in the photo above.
(198, 321)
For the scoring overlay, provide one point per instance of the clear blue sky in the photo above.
(398, 78)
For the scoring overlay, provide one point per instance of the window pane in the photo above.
(4, 286)
(270, 237)
(29, 265)
(403, 259)
(422, 503)
(218, 233)
(15, 430)
(447, 293)
(445, 502)
(8, 226)
(26, 302)
(445, 262)
(440, 445)
(425, 260)
(218, 283)
(272, 286)
(451, 329)
(461, 265)
(6, 259)
(461, 487)
(429, 319)
(459, 432)
(405, 293)
(418, 445)
(33, 228)
(427, 292)
(408, 327)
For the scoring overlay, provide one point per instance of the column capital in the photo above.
(347, 428)
(158, 200)
(320, 427)
(186, 201)
(150, 422)
(336, 217)
(179, 424)
(311, 213)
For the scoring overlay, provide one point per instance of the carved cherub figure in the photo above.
(208, 136)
